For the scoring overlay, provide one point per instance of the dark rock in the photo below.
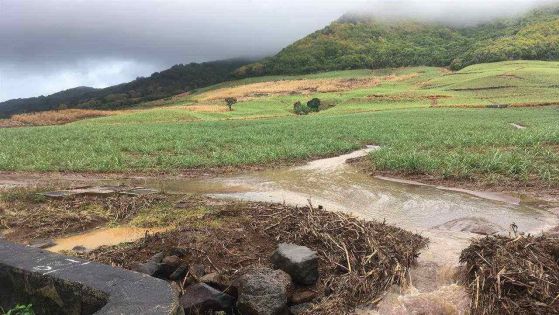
(263, 291)
(201, 298)
(150, 268)
(80, 250)
(472, 225)
(299, 309)
(42, 243)
(168, 266)
(300, 262)
(300, 297)
(179, 273)
(197, 271)
(153, 267)
(216, 280)
(177, 251)
(157, 257)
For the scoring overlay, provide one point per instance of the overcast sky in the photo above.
(50, 45)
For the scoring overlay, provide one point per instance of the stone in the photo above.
(215, 280)
(300, 308)
(263, 291)
(177, 251)
(168, 266)
(300, 297)
(179, 273)
(84, 287)
(201, 299)
(300, 262)
(197, 271)
(153, 267)
(80, 250)
(473, 225)
(149, 268)
(157, 258)
(42, 243)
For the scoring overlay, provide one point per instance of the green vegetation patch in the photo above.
(396, 112)
(171, 215)
(356, 42)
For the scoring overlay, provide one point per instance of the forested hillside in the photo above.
(176, 80)
(355, 42)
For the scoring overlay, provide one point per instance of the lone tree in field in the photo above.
(230, 102)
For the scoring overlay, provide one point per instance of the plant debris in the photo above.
(513, 275)
(28, 215)
(359, 260)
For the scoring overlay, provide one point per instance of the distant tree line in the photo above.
(178, 79)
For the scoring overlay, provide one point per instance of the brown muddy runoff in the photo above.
(447, 216)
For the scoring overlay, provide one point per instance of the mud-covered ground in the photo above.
(359, 260)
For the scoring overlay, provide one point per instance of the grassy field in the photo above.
(391, 108)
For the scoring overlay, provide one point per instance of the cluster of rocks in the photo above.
(285, 288)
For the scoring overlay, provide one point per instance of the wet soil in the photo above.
(25, 215)
(449, 217)
(248, 233)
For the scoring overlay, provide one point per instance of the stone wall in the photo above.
(57, 284)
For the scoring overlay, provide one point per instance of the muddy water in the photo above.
(336, 185)
(447, 216)
(101, 237)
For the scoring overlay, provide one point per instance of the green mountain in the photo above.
(175, 80)
(355, 42)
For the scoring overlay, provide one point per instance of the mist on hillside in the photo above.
(51, 45)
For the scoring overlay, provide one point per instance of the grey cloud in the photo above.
(49, 45)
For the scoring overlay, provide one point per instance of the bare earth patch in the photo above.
(53, 117)
(202, 108)
(307, 86)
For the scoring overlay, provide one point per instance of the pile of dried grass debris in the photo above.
(360, 259)
(513, 275)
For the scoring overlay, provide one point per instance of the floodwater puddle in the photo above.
(102, 237)
(495, 196)
(449, 217)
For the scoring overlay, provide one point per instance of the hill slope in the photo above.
(355, 42)
(175, 80)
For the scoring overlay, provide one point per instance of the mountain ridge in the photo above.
(354, 41)
(175, 80)
(361, 41)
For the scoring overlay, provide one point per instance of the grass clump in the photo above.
(20, 310)
(166, 214)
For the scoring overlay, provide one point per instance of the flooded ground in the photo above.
(102, 237)
(449, 217)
